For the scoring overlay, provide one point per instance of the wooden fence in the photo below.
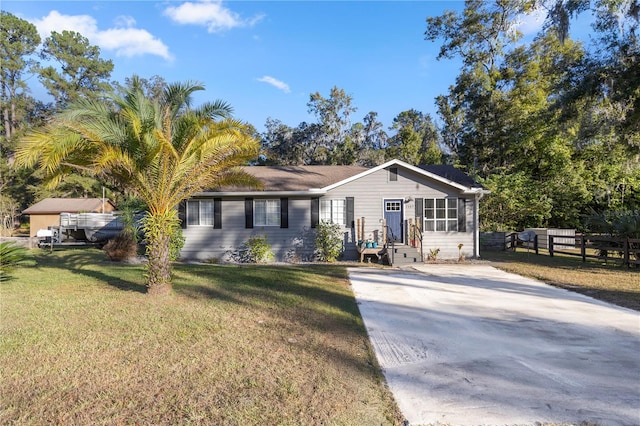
(620, 250)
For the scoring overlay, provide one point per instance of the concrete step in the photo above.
(405, 255)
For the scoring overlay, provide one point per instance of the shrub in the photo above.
(11, 256)
(122, 247)
(176, 242)
(328, 241)
(259, 250)
(433, 254)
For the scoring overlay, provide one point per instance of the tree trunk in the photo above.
(158, 232)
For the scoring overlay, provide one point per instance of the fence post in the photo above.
(583, 248)
(535, 243)
(513, 241)
(627, 246)
(551, 245)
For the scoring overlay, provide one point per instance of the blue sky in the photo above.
(266, 57)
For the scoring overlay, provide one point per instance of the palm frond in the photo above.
(178, 95)
(215, 109)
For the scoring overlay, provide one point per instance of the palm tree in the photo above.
(159, 149)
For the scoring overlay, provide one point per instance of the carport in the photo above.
(470, 344)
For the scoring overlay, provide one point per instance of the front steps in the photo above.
(404, 255)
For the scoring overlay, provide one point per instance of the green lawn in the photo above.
(237, 345)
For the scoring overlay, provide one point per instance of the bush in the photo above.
(11, 256)
(176, 242)
(328, 241)
(122, 247)
(259, 250)
(433, 254)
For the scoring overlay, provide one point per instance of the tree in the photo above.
(162, 151)
(18, 40)
(152, 87)
(371, 138)
(334, 119)
(81, 74)
(416, 140)
(281, 145)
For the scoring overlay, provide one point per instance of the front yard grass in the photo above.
(611, 282)
(234, 345)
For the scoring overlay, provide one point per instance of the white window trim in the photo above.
(331, 202)
(199, 201)
(266, 217)
(446, 217)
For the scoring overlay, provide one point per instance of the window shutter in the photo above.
(217, 213)
(315, 212)
(182, 214)
(284, 212)
(462, 215)
(420, 210)
(350, 212)
(248, 213)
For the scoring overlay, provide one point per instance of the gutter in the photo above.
(311, 192)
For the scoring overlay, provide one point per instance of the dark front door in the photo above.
(393, 216)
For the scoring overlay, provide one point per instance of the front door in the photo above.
(393, 216)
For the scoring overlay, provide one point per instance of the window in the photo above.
(200, 213)
(393, 206)
(266, 213)
(441, 214)
(333, 211)
(393, 174)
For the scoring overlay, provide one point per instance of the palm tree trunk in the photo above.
(158, 230)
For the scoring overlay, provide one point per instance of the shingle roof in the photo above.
(67, 205)
(305, 178)
(452, 174)
(301, 178)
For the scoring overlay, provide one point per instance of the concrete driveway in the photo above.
(472, 345)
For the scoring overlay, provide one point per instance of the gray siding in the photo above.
(294, 242)
(297, 241)
(370, 191)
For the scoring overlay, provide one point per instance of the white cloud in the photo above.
(54, 21)
(131, 42)
(125, 21)
(532, 22)
(123, 39)
(210, 14)
(275, 83)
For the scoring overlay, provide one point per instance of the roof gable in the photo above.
(67, 205)
(445, 174)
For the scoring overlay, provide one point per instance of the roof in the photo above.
(452, 174)
(320, 179)
(66, 205)
(299, 178)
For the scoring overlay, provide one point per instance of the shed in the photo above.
(46, 213)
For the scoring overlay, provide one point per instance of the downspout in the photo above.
(476, 227)
(476, 220)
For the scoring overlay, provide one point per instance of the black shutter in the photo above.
(315, 212)
(350, 212)
(248, 212)
(284, 212)
(462, 215)
(420, 210)
(182, 214)
(217, 213)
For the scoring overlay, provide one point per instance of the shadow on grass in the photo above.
(262, 284)
(92, 263)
